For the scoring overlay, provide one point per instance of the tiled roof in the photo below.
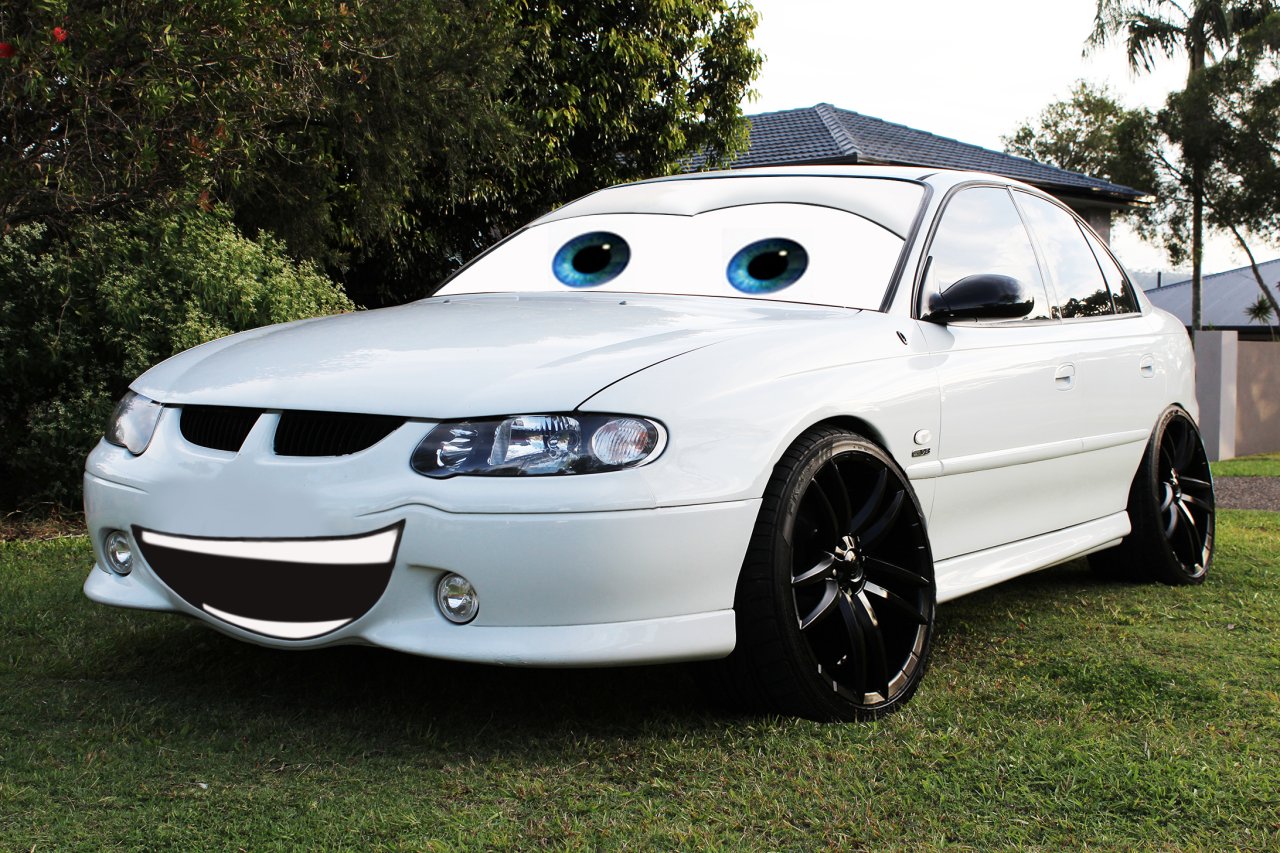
(826, 134)
(1224, 296)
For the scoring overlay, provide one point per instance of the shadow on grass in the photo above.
(185, 674)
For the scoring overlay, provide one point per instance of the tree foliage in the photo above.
(1229, 117)
(388, 141)
(1227, 121)
(1092, 133)
(82, 315)
(316, 117)
(600, 92)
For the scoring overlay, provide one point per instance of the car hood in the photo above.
(461, 356)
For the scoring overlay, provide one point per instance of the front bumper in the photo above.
(571, 587)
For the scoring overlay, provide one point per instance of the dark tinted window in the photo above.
(1126, 301)
(981, 232)
(1076, 276)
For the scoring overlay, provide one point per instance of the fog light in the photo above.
(119, 552)
(457, 599)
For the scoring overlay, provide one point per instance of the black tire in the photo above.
(835, 603)
(1171, 508)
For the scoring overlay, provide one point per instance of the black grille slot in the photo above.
(217, 427)
(331, 433)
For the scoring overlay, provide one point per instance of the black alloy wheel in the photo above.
(835, 604)
(1171, 508)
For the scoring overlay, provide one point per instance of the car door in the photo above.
(1115, 351)
(1010, 396)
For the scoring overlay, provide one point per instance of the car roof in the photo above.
(693, 193)
(937, 177)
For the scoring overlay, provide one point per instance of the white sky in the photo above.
(970, 71)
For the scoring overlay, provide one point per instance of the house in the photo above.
(827, 135)
(1224, 300)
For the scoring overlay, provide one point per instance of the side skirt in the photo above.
(968, 573)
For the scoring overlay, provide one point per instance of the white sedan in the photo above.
(772, 417)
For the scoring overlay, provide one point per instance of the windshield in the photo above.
(801, 249)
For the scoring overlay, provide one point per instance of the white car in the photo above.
(770, 416)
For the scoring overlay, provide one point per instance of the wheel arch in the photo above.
(854, 424)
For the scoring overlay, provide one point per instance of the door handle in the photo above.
(1147, 366)
(1065, 377)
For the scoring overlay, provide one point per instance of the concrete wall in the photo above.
(1257, 397)
(1238, 388)
(1217, 361)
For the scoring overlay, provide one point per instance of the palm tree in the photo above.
(1151, 29)
(1260, 312)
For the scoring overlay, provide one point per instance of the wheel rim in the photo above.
(1184, 491)
(861, 578)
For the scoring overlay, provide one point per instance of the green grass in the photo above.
(1261, 465)
(1061, 712)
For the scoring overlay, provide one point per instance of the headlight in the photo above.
(133, 422)
(525, 445)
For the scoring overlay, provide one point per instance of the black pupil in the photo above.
(767, 265)
(592, 259)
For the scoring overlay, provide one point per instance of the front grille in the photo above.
(217, 427)
(331, 433)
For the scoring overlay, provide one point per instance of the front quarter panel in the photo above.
(732, 409)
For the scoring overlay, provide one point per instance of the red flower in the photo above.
(59, 35)
(6, 50)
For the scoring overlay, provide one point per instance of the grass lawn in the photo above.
(1262, 465)
(1061, 712)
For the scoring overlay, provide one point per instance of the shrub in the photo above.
(83, 313)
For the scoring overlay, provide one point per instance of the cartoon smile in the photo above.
(294, 589)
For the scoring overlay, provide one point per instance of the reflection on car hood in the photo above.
(463, 356)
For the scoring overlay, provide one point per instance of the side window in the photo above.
(1082, 291)
(981, 232)
(1126, 301)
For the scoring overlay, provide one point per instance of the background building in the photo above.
(827, 135)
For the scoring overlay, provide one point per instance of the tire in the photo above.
(835, 602)
(1171, 508)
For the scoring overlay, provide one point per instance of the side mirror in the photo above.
(985, 296)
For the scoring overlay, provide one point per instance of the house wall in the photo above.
(1099, 219)
(1257, 397)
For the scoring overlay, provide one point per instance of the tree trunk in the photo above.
(1198, 48)
(1197, 247)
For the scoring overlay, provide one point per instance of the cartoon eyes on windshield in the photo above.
(767, 266)
(591, 259)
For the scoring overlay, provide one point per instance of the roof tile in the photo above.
(827, 134)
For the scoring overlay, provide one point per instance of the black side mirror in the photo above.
(981, 297)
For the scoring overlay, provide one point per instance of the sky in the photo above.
(971, 71)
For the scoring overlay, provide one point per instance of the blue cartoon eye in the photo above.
(591, 260)
(767, 266)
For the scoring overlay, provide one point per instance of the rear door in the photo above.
(1113, 348)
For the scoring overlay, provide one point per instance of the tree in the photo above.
(1152, 28)
(399, 130)
(82, 314)
(1228, 112)
(1092, 133)
(602, 91)
(1228, 120)
(389, 141)
(314, 117)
